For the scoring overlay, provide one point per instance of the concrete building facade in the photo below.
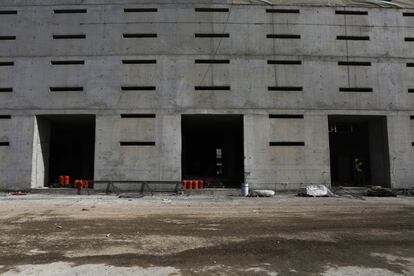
(307, 88)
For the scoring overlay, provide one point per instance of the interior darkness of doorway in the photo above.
(212, 149)
(363, 138)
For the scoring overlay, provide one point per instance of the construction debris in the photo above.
(262, 193)
(315, 191)
(380, 192)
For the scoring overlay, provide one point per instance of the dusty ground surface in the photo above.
(285, 235)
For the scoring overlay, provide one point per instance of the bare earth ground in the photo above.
(285, 235)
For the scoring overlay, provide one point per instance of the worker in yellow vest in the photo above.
(358, 171)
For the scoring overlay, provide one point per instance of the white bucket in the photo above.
(245, 189)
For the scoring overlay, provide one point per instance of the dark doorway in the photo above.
(212, 149)
(67, 146)
(359, 150)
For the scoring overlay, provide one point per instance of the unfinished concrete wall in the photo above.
(254, 68)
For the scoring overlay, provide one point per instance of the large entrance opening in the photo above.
(63, 145)
(359, 150)
(212, 149)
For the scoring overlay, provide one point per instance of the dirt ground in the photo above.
(181, 235)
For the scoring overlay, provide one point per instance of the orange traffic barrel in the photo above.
(190, 184)
(201, 184)
(61, 180)
(184, 184)
(67, 179)
(196, 184)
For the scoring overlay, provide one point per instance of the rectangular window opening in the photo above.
(355, 89)
(138, 88)
(282, 11)
(66, 89)
(285, 88)
(283, 36)
(286, 116)
(285, 62)
(137, 143)
(408, 13)
(212, 61)
(412, 117)
(354, 63)
(132, 10)
(6, 89)
(410, 90)
(4, 144)
(212, 35)
(286, 144)
(351, 12)
(7, 12)
(216, 87)
(5, 116)
(211, 10)
(139, 61)
(139, 35)
(352, 37)
(6, 63)
(410, 64)
(67, 62)
(409, 39)
(7, 37)
(70, 36)
(63, 11)
(138, 115)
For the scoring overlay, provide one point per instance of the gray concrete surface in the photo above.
(175, 75)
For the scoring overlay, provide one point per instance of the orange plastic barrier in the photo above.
(201, 184)
(184, 184)
(196, 184)
(67, 179)
(61, 180)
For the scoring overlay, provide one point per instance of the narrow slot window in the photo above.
(355, 89)
(283, 36)
(212, 61)
(410, 64)
(5, 117)
(282, 11)
(285, 62)
(7, 37)
(138, 88)
(137, 143)
(8, 12)
(133, 10)
(70, 36)
(67, 62)
(6, 89)
(354, 63)
(211, 10)
(408, 13)
(138, 116)
(139, 35)
(217, 87)
(285, 116)
(412, 117)
(351, 12)
(6, 63)
(352, 37)
(412, 144)
(139, 61)
(212, 35)
(409, 39)
(285, 88)
(69, 11)
(410, 90)
(4, 144)
(286, 144)
(66, 89)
